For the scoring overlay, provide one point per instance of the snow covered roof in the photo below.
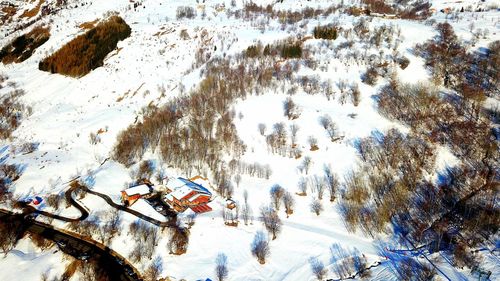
(141, 189)
(182, 187)
(181, 192)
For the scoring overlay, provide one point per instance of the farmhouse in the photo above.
(183, 194)
(132, 194)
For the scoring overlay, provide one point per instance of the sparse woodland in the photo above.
(394, 193)
(390, 192)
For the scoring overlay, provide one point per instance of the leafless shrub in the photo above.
(291, 109)
(53, 200)
(370, 76)
(316, 207)
(10, 233)
(277, 192)
(318, 268)
(306, 164)
(184, 35)
(289, 203)
(178, 241)
(313, 143)
(294, 128)
(271, 220)
(154, 269)
(260, 247)
(262, 128)
(146, 169)
(332, 182)
(302, 184)
(221, 270)
(319, 186)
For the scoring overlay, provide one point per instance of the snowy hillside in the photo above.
(257, 120)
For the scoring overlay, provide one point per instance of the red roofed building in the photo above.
(187, 194)
(130, 195)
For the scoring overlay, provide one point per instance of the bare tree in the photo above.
(291, 109)
(332, 182)
(329, 126)
(318, 268)
(262, 128)
(316, 207)
(271, 220)
(306, 164)
(325, 120)
(154, 269)
(221, 270)
(320, 186)
(179, 240)
(294, 128)
(313, 143)
(246, 213)
(245, 196)
(237, 180)
(289, 203)
(276, 193)
(302, 186)
(10, 232)
(260, 247)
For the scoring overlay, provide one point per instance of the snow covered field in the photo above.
(153, 66)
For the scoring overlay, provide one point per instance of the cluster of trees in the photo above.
(287, 49)
(193, 131)
(281, 196)
(325, 32)
(417, 10)
(103, 226)
(146, 236)
(238, 168)
(289, 17)
(390, 192)
(21, 48)
(318, 185)
(178, 240)
(87, 51)
(12, 111)
(348, 263)
(9, 173)
(473, 75)
(11, 230)
(185, 12)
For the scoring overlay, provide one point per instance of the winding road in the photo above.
(84, 213)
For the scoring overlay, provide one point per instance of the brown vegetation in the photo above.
(87, 51)
(33, 12)
(325, 32)
(24, 46)
(8, 13)
(88, 24)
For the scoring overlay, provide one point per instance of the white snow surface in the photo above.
(67, 110)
